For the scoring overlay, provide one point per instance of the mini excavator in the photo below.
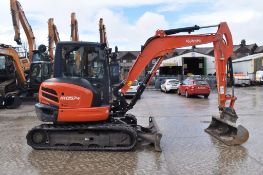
(86, 110)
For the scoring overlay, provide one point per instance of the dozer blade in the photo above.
(151, 134)
(227, 132)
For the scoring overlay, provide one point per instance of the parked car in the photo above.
(241, 80)
(191, 87)
(170, 85)
(132, 89)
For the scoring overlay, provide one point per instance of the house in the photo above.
(126, 60)
(259, 49)
(243, 50)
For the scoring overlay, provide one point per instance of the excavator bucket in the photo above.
(150, 134)
(224, 129)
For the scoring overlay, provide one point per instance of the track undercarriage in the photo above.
(107, 136)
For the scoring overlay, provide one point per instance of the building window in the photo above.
(129, 61)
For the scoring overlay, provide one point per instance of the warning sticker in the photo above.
(221, 90)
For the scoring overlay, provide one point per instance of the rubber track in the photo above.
(67, 127)
(7, 86)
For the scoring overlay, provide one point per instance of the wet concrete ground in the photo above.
(187, 149)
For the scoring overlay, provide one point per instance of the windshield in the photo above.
(200, 82)
(2, 62)
(173, 81)
(83, 62)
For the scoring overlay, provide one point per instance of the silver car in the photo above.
(170, 85)
(132, 89)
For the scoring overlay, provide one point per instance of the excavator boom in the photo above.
(74, 28)
(102, 31)
(53, 37)
(18, 16)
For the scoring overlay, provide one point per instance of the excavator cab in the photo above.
(76, 61)
(9, 83)
(40, 69)
(39, 72)
(7, 80)
(7, 68)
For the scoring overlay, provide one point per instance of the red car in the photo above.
(191, 87)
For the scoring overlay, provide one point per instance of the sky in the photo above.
(129, 23)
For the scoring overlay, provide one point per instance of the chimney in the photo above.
(243, 42)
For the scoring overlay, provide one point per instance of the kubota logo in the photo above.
(69, 98)
(190, 41)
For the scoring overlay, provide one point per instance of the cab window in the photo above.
(82, 62)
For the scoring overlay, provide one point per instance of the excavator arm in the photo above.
(15, 20)
(163, 43)
(18, 16)
(53, 37)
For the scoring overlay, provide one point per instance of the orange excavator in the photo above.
(53, 37)
(88, 111)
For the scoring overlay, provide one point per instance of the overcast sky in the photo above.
(130, 22)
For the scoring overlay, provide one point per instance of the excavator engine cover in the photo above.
(224, 129)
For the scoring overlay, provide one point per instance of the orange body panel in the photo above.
(83, 114)
(74, 102)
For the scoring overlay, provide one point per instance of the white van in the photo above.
(259, 76)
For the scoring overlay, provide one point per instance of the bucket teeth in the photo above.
(227, 132)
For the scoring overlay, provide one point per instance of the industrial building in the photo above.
(189, 63)
(249, 65)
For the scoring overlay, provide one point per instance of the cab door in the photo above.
(39, 72)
